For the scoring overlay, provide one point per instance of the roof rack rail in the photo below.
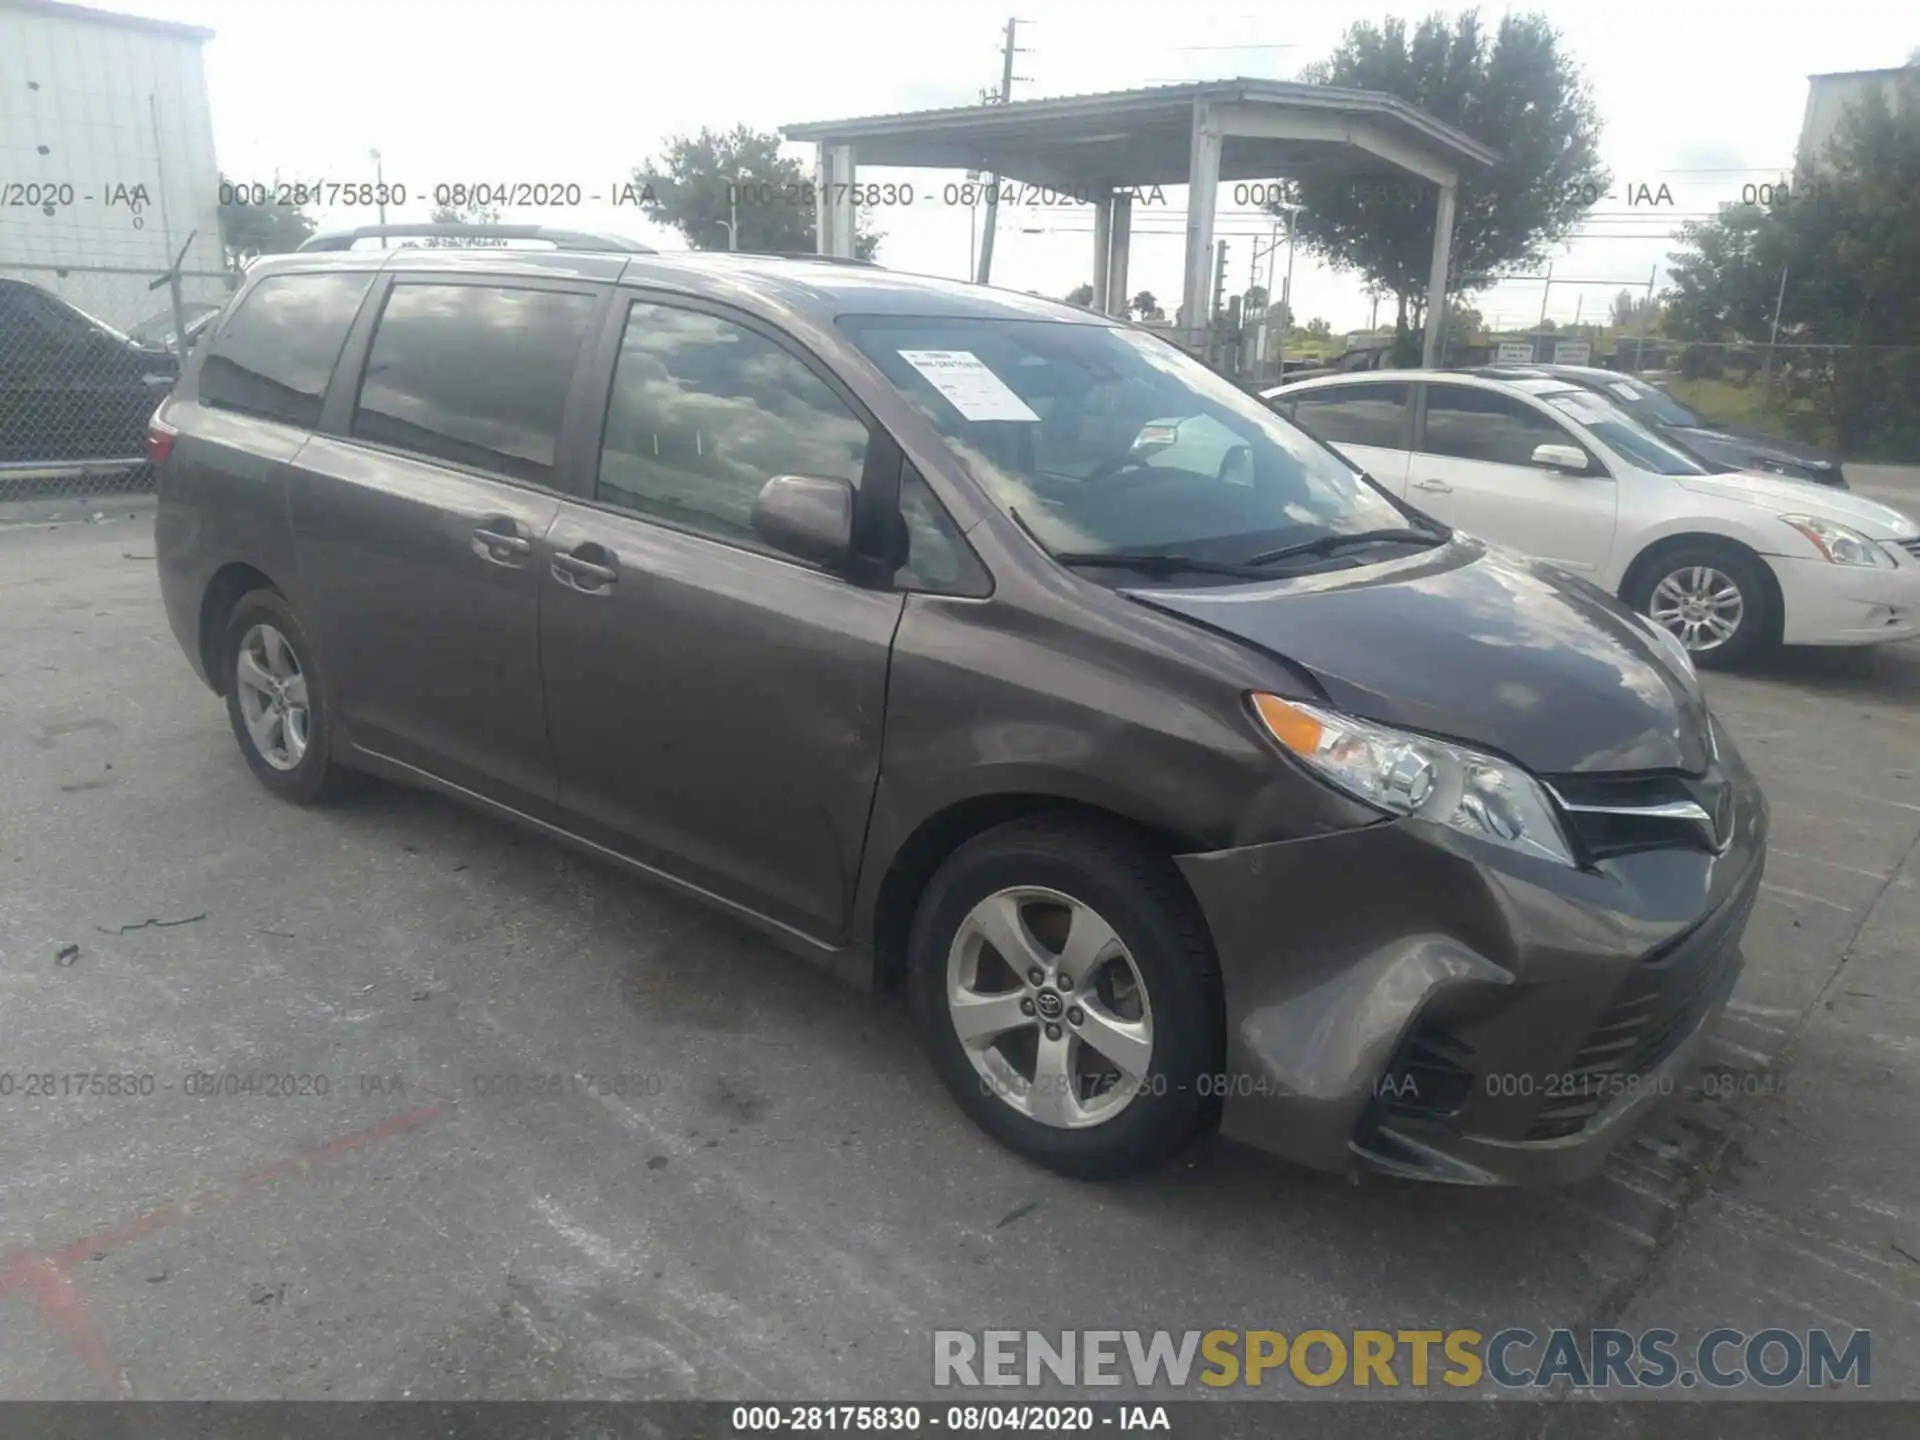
(559, 239)
(810, 255)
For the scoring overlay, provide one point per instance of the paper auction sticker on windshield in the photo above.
(969, 386)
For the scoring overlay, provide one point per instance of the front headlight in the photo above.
(1841, 544)
(1407, 774)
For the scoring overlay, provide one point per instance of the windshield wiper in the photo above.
(1147, 562)
(1326, 544)
(1151, 562)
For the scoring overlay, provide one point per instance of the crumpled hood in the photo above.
(1797, 497)
(1476, 644)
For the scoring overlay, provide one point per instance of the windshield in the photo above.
(1646, 404)
(1626, 436)
(1104, 440)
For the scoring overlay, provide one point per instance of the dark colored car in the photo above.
(156, 332)
(72, 388)
(973, 643)
(1718, 447)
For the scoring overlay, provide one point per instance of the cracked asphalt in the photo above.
(556, 1134)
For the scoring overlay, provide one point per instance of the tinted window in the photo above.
(1357, 415)
(475, 374)
(1485, 425)
(1626, 435)
(704, 412)
(276, 352)
(1107, 439)
(937, 558)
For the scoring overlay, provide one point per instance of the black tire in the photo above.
(1140, 894)
(1758, 630)
(316, 775)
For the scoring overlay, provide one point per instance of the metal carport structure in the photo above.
(1195, 135)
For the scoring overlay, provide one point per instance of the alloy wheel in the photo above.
(272, 689)
(1049, 1007)
(1702, 606)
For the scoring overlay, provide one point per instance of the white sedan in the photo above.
(1730, 563)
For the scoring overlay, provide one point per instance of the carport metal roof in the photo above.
(1193, 134)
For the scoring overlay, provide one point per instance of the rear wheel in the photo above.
(276, 702)
(1712, 598)
(1069, 995)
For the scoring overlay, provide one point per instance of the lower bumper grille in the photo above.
(1659, 1005)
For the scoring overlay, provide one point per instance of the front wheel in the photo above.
(1712, 598)
(1069, 995)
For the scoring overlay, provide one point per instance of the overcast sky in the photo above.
(1704, 96)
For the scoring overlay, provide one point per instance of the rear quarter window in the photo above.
(276, 352)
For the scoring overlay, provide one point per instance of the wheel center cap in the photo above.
(1050, 1005)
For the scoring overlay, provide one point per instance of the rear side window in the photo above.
(1356, 414)
(276, 352)
(474, 374)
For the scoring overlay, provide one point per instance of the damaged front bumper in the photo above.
(1406, 999)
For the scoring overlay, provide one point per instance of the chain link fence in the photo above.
(86, 353)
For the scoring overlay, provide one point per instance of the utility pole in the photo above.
(1007, 51)
(1773, 338)
(1219, 304)
(1646, 319)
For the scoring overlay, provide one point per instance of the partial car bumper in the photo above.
(1830, 604)
(1403, 999)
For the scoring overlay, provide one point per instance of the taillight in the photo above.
(159, 439)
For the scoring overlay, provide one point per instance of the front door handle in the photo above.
(588, 568)
(1439, 487)
(498, 538)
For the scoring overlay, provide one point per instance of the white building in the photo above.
(106, 157)
(1830, 96)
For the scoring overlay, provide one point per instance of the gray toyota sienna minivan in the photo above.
(984, 646)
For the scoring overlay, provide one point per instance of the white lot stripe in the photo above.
(1773, 889)
(1774, 850)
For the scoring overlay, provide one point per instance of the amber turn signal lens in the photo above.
(1295, 729)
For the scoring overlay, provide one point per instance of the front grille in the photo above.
(1621, 814)
(1659, 1004)
(1911, 545)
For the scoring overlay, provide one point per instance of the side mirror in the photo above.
(1561, 457)
(806, 516)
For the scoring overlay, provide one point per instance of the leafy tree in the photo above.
(1146, 306)
(461, 215)
(1318, 329)
(1516, 91)
(1081, 295)
(247, 230)
(688, 188)
(1844, 243)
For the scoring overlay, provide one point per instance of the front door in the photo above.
(716, 708)
(421, 531)
(1473, 467)
(1371, 424)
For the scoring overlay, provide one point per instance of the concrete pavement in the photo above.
(554, 1134)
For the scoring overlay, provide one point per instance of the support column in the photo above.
(1203, 186)
(834, 212)
(1118, 248)
(1430, 350)
(1102, 242)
